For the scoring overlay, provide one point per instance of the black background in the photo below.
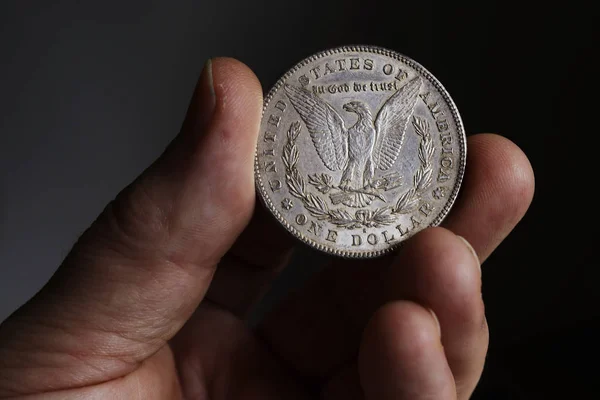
(91, 92)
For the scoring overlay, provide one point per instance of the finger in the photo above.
(497, 190)
(322, 320)
(401, 356)
(139, 272)
(441, 271)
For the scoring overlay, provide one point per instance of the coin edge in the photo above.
(261, 189)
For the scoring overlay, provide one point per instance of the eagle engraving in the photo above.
(368, 144)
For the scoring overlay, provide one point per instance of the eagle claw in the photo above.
(345, 185)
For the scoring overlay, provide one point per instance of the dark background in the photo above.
(91, 92)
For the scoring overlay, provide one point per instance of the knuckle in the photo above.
(134, 224)
(411, 332)
(460, 281)
(467, 302)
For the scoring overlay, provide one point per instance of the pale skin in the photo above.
(150, 303)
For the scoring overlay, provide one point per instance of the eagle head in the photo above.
(356, 107)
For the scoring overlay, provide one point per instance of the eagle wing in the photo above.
(391, 122)
(325, 125)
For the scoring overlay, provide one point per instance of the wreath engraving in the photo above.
(382, 216)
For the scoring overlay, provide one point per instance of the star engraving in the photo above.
(287, 204)
(439, 193)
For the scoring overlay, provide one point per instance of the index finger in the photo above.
(497, 190)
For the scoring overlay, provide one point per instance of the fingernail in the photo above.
(207, 92)
(437, 322)
(471, 249)
(209, 78)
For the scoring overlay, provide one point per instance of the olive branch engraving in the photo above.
(423, 178)
(324, 184)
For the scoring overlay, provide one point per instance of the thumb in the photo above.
(137, 274)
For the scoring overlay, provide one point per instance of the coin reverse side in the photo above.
(359, 149)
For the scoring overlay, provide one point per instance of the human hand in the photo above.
(150, 302)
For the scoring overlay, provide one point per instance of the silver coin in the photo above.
(359, 149)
